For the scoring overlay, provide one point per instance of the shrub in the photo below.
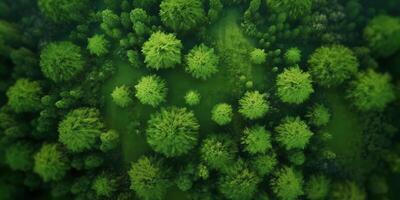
(63, 10)
(104, 186)
(162, 51)
(218, 152)
(182, 15)
(293, 56)
(222, 114)
(258, 56)
(61, 61)
(293, 133)
(383, 35)
(121, 96)
(293, 8)
(192, 98)
(202, 62)
(371, 91)
(151, 90)
(98, 45)
(148, 179)
(317, 187)
(80, 129)
(287, 184)
(318, 115)
(172, 131)
(256, 140)
(332, 65)
(50, 163)
(25, 96)
(19, 156)
(253, 105)
(294, 86)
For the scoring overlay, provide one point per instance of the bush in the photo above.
(318, 115)
(371, 91)
(182, 15)
(80, 129)
(253, 105)
(121, 96)
(192, 98)
(218, 152)
(317, 187)
(19, 156)
(151, 90)
(293, 133)
(332, 65)
(60, 11)
(148, 179)
(258, 56)
(383, 35)
(61, 61)
(293, 8)
(104, 186)
(256, 140)
(98, 45)
(294, 86)
(25, 96)
(172, 131)
(293, 56)
(202, 62)
(222, 114)
(287, 184)
(50, 163)
(162, 51)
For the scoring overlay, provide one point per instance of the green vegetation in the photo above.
(199, 99)
(294, 86)
(172, 131)
(61, 61)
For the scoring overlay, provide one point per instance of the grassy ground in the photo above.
(230, 43)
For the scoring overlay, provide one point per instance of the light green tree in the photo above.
(258, 56)
(151, 90)
(202, 62)
(50, 163)
(256, 140)
(294, 86)
(104, 185)
(287, 184)
(192, 97)
(98, 45)
(182, 15)
(318, 115)
(293, 133)
(253, 105)
(121, 96)
(222, 114)
(293, 56)
(218, 152)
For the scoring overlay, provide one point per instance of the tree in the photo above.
(218, 152)
(19, 156)
(104, 185)
(162, 51)
(293, 133)
(60, 11)
(25, 96)
(371, 91)
(80, 129)
(318, 115)
(293, 56)
(110, 23)
(332, 65)
(253, 105)
(98, 45)
(121, 96)
(294, 86)
(222, 114)
(148, 178)
(264, 163)
(239, 182)
(172, 131)
(317, 187)
(109, 140)
(182, 15)
(202, 62)
(287, 184)
(50, 163)
(383, 35)
(347, 190)
(293, 8)
(256, 140)
(61, 61)
(258, 56)
(151, 90)
(192, 97)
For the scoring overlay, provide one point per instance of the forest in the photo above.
(199, 99)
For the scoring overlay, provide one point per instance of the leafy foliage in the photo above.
(202, 62)
(253, 105)
(182, 15)
(151, 90)
(256, 140)
(317, 187)
(258, 56)
(98, 45)
(293, 56)
(293, 8)
(25, 96)
(19, 156)
(104, 186)
(222, 114)
(293, 133)
(217, 152)
(50, 163)
(63, 10)
(192, 98)
(318, 115)
(287, 184)
(347, 190)
(294, 86)
(80, 129)
(172, 131)
(121, 96)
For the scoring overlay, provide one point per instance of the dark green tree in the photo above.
(182, 15)
(19, 156)
(293, 8)
(61, 11)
